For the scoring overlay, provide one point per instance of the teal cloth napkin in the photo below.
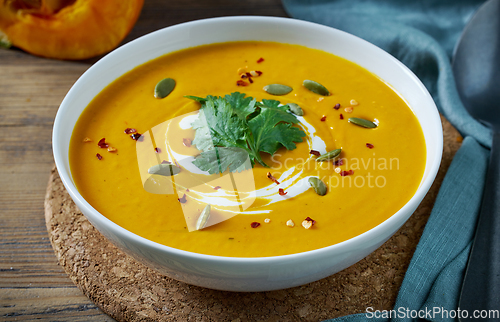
(422, 35)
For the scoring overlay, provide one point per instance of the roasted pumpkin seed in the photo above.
(316, 87)
(203, 219)
(329, 155)
(318, 185)
(295, 109)
(362, 122)
(164, 87)
(277, 89)
(166, 170)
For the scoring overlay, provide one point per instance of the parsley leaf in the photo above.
(219, 159)
(243, 107)
(217, 126)
(244, 127)
(271, 131)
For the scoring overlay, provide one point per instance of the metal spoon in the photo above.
(476, 65)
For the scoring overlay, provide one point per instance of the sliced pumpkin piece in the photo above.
(67, 29)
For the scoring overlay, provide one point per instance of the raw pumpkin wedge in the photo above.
(67, 29)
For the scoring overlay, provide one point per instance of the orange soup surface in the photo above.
(265, 210)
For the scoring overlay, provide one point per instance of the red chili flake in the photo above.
(248, 74)
(187, 189)
(183, 199)
(166, 162)
(217, 187)
(323, 118)
(187, 142)
(102, 144)
(136, 136)
(337, 106)
(241, 83)
(311, 220)
(254, 224)
(129, 130)
(157, 150)
(316, 153)
(99, 157)
(270, 176)
(260, 60)
(250, 80)
(346, 173)
(369, 146)
(258, 72)
(339, 162)
(341, 116)
(244, 75)
(282, 192)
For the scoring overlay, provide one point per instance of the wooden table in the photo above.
(32, 285)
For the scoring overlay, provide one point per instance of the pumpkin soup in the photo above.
(248, 149)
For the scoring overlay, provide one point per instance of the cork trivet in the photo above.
(129, 291)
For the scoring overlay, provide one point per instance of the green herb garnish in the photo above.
(232, 128)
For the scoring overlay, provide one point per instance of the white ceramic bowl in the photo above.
(248, 274)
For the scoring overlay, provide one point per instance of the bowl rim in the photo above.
(95, 216)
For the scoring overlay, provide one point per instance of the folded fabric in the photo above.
(433, 279)
(422, 35)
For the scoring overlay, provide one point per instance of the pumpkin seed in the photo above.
(316, 87)
(295, 109)
(166, 170)
(277, 89)
(329, 155)
(164, 87)
(318, 185)
(203, 219)
(362, 122)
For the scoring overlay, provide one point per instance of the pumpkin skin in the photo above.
(68, 29)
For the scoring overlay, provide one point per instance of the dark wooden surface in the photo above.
(32, 284)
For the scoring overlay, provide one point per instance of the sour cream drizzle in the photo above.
(292, 180)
